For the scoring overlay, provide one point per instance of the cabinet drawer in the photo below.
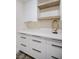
(53, 57)
(37, 39)
(55, 42)
(38, 43)
(54, 52)
(37, 54)
(24, 47)
(21, 35)
(24, 40)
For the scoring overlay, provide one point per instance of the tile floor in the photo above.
(21, 55)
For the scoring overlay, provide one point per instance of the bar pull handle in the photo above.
(36, 41)
(23, 37)
(56, 46)
(36, 50)
(54, 57)
(23, 45)
(23, 33)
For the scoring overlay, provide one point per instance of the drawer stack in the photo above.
(24, 42)
(39, 47)
(54, 50)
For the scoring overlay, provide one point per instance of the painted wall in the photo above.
(19, 20)
(19, 15)
(26, 10)
(30, 10)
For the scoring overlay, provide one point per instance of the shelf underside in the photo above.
(49, 18)
(49, 4)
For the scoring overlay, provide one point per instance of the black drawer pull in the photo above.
(23, 37)
(54, 57)
(36, 50)
(23, 45)
(23, 33)
(36, 41)
(56, 46)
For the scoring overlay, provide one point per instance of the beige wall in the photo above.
(40, 24)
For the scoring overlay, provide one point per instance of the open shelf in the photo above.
(49, 4)
(49, 18)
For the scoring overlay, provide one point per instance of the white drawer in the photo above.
(52, 57)
(24, 40)
(54, 52)
(24, 47)
(37, 43)
(37, 54)
(56, 42)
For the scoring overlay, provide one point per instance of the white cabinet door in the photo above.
(54, 51)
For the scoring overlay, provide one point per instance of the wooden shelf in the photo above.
(49, 4)
(49, 18)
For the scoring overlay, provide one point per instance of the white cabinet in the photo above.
(54, 50)
(39, 47)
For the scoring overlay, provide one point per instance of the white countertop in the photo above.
(43, 32)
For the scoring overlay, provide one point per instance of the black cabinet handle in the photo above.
(54, 57)
(56, 46)
(36, 41)
(23, 45)
(23, 33)
(23, 37)
(36, 50)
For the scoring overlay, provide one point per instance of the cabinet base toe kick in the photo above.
(30, 57)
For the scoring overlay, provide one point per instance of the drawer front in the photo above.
(52, 57)
(24, 47)
(54, 42)
(54, 52)
(38, 54)
(37, 43)
(24, 40)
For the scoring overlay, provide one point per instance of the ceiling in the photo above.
(23, 0)
(40, 1)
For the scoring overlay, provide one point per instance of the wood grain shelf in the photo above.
(49, 4)
(49, 18)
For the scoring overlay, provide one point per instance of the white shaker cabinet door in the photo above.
(54, 52)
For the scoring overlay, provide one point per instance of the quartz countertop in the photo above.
(44, 32)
